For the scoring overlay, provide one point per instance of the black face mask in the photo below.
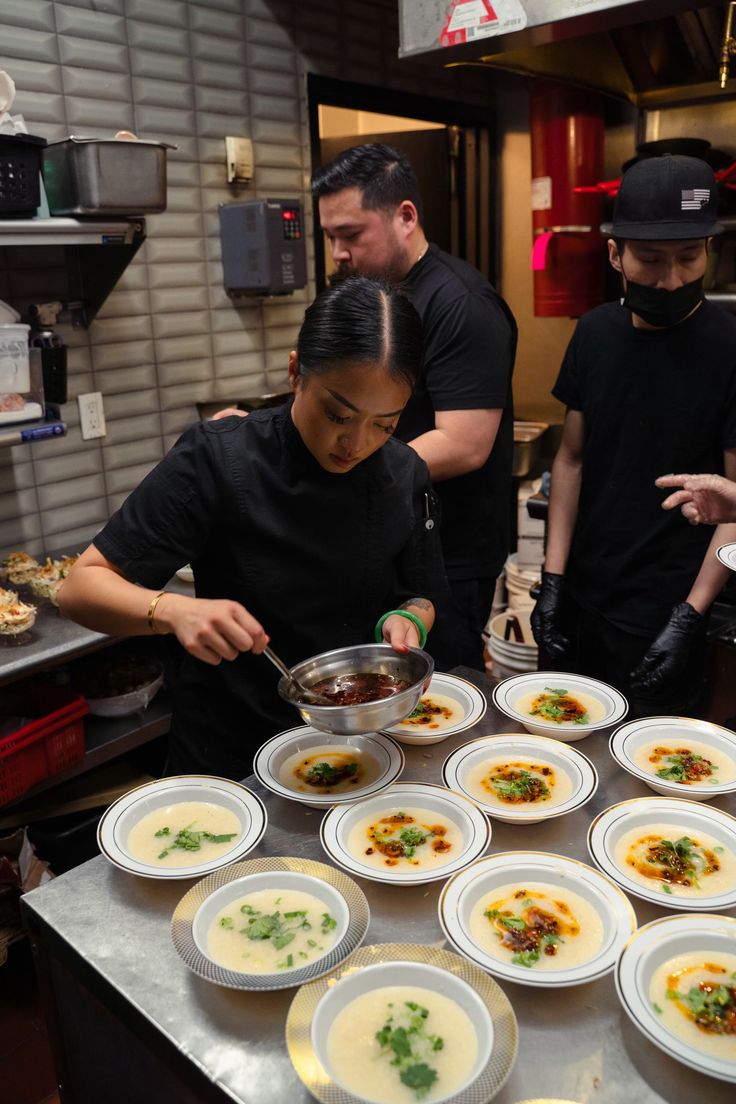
(660, 307)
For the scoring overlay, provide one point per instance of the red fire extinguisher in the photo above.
(568, 255)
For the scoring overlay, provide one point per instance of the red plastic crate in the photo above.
(49, 744)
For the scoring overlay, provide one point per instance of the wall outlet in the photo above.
(239, 158)
(91, 415)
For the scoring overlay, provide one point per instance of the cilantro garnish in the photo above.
(525, 958)
(187, 840)
(711, 1006)
(405, 1039)
(324, 774)
(280, 929)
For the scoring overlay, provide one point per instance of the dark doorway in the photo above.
(450, 149)
(429, 153)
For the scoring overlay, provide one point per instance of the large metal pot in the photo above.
(416, 667)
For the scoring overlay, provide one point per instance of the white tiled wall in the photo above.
(186, 73)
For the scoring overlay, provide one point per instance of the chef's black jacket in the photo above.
(316, 557)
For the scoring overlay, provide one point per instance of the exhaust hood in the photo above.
(649, 52)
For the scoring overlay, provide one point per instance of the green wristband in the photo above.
(410, 617)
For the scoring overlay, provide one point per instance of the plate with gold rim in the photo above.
(194, 916)
(712, 749)
(244, 808)
(446, 972)
(568, 777)
(683, 948)
(693, 864)
(570, 895)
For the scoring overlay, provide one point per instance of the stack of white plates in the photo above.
(511, 657)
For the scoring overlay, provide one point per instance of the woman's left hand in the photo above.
(400, 633)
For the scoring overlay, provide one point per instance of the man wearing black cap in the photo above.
(650, 386)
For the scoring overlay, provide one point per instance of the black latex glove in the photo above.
(660, 675)
(554, 646)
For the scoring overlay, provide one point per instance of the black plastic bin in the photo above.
(66, 841)
(20, 174)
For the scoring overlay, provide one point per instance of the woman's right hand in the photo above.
(211, 629)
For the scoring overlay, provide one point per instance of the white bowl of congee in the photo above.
(554, 703)
(318, 769)
(278, 928)
(398, 1032)
(181, 827)
(678, 756)
(519, 778)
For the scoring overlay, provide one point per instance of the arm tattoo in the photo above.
(418, 603)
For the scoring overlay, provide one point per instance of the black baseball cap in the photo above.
(667, 199)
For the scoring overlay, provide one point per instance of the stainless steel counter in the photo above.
(51, 641)
(54, 639)
(575, 1043)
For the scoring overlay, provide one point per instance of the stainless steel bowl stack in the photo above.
(415, 667)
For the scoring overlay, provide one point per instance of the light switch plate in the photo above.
(239, 155)
(92, 415)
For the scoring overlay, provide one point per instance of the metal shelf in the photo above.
(22, 433)
(87, 257)
(70, 231)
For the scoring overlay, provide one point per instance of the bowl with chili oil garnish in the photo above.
(676, 980)
(450, 705)
(519, 778)
(411, 833)
(536, 918)
(403, 1022)
(677, 854)
(306, 765)
(184, 826)
(565, 706)
(269, 923)
(372, 687)
(678, 756)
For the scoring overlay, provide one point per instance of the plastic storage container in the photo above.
(51, 740)
(20, 168)
(101, 176)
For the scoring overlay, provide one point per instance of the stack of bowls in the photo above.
(518, 583)
(511, 657)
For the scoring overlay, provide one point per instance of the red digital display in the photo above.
(288, 215)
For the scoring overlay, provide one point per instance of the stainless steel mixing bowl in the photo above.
(416, 667)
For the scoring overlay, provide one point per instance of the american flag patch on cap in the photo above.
(694, 198)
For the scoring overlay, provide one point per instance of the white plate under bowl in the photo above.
(463, 892)
(275, 752)
(653, 945)
(117, 821)
(727, 555)
(639, 812)
(186, 574)
(561, 757)
(340, 895)
(315, 1006)
(470, 702)
(631, 737)
(465, 814)
(507, 693)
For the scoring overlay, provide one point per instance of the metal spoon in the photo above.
(297, 692)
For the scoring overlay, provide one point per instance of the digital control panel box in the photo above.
(263, 250)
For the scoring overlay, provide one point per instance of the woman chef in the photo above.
(304, 525)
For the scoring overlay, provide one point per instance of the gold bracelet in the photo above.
(152, 610)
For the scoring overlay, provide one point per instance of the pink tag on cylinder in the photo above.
(539, 251)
